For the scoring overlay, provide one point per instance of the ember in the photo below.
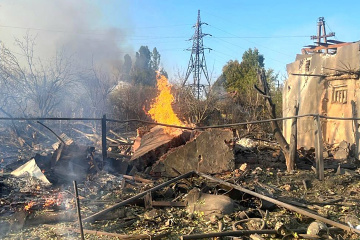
(49, 202)
(29, 205)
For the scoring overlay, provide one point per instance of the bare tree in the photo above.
(28, 86)
(98, 84)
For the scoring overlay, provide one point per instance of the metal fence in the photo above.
(104, 120)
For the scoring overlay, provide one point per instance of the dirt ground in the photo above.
(260, 168)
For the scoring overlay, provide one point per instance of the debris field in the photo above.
(189, 185)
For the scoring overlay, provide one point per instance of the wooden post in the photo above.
(290, 161)
(103, 139)
(78, 210)
(148, 201)
(319, 149)
(356, 130)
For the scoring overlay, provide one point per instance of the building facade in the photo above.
(326, 84)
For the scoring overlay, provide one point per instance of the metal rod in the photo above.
(78, 211)
(245, 232)
(319, 149)
(58, 137)
(228, 233)
(103, 140)
(129, 200)
(307, 75)
(116, 235)
(180, 127)
(282, 204)
(50, 118)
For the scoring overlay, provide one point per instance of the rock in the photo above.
(116, 214)
(287, 187)
(350, 173)
(152, 214)
(243, 167)
(317, 228)
(352, 220)
(213, 206)
(210, 152)
(257, 170)
(341, 154)
(246, 143)
(343, 145)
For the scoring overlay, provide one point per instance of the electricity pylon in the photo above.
(197, 62)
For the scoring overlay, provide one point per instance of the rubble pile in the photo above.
(194, 185)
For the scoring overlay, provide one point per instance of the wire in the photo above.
(92, 32)
(294, 36)
(331, 30)
(252, 42)
(147, 37)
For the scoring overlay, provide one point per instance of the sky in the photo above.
(108, 29)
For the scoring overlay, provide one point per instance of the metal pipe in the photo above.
(57, 136)
(103, 140)
(228, 233)
(116, 235)
(180, 127)
(127, 201)
(282, 204)
(78, 211)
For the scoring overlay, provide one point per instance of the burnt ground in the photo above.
(259, 167)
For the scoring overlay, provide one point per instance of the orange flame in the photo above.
(161, 109)
(29, 205)
(49, 202)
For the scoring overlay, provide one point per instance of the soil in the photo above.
(260, 168)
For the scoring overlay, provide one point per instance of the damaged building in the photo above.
(324, 80)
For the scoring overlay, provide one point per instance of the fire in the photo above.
(161, 110)
(29, 205)
(50, 202)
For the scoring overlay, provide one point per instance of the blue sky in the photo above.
(279, 29)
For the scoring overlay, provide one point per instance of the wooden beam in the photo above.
(282, 204)
(319, 149)
(290, 162)
(168, 204)
(334, 46)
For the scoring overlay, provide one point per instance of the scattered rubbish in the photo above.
(31, 169)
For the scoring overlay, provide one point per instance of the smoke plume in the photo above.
(76, 27)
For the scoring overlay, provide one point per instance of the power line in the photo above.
(259, 44)
(89, 32)
(251, 41)
(93, 32)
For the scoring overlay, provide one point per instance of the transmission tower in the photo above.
(197, 63)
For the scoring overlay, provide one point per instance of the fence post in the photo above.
(319, 149)
(103, 139)
(290, 163)
(356, 130)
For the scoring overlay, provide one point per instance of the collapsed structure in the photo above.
(324, 80)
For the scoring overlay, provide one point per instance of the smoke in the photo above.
(78, 28)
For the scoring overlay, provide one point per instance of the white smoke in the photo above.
(76, 27)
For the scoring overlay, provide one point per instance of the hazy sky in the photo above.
(109, 29)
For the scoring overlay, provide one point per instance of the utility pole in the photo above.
(197, 63)
(321, 33)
